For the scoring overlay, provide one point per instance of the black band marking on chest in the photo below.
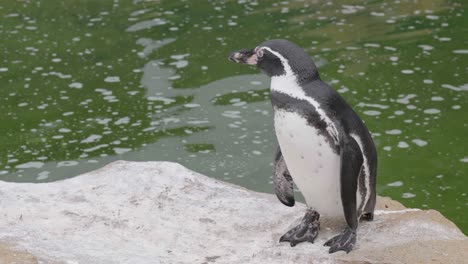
(307, 111)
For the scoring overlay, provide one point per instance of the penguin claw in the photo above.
(344, 241)
(307, 230)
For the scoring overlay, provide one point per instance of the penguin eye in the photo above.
(259, 53)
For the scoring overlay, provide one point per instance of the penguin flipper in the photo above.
(284, 185)
(351, 162)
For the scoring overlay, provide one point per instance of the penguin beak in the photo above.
(244, 56)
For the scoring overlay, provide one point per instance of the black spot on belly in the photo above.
(319, 154)
(302, 156)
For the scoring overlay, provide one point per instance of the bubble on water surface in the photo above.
(11, 15)
(454, 88)
(231, 114)
(372, 45)
(3, 69)
(372, 112)
(179, 64)
(191, 105)
(31, 164)
(112, 79)
(393, 132)
(123, 120)
(431, 111)
(406, 99)
(407, 71)
(419, 142)
(58, 74)
(377, 14)
(395, 184)
(121, 150)
(76, 85)
(162, 99)
(179, 56)
(174, 77)
(146, 24)
(140, 12)
(169, 120)
(91, 138)
(403, 144)
(437, 98)
(444, 39)
(42, 175)
(460, 51)
(380, 106)
(67, 163)
(408, 195)
(350, 9)
(96, 148)
(426, 47)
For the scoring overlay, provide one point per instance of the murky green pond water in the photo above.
(84, 83)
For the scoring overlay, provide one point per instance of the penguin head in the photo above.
(279, 57)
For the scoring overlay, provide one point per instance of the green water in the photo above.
(84, 83)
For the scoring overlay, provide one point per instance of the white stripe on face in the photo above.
(283, 60)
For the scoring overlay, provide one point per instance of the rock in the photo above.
(8, 254)
(161, 212)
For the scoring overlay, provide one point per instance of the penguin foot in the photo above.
(344, 241)
(307, 230)
(368, 216)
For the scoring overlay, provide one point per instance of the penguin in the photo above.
(323, 145)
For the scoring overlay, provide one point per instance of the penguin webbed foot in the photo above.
(368, 216)
(344, 241)
(307, 230)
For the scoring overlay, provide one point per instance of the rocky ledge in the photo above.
(161, 212)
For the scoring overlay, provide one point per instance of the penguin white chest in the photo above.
(311, 161)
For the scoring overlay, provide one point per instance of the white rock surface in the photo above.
(161, 212)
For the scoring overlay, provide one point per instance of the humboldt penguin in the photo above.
(324, 147)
